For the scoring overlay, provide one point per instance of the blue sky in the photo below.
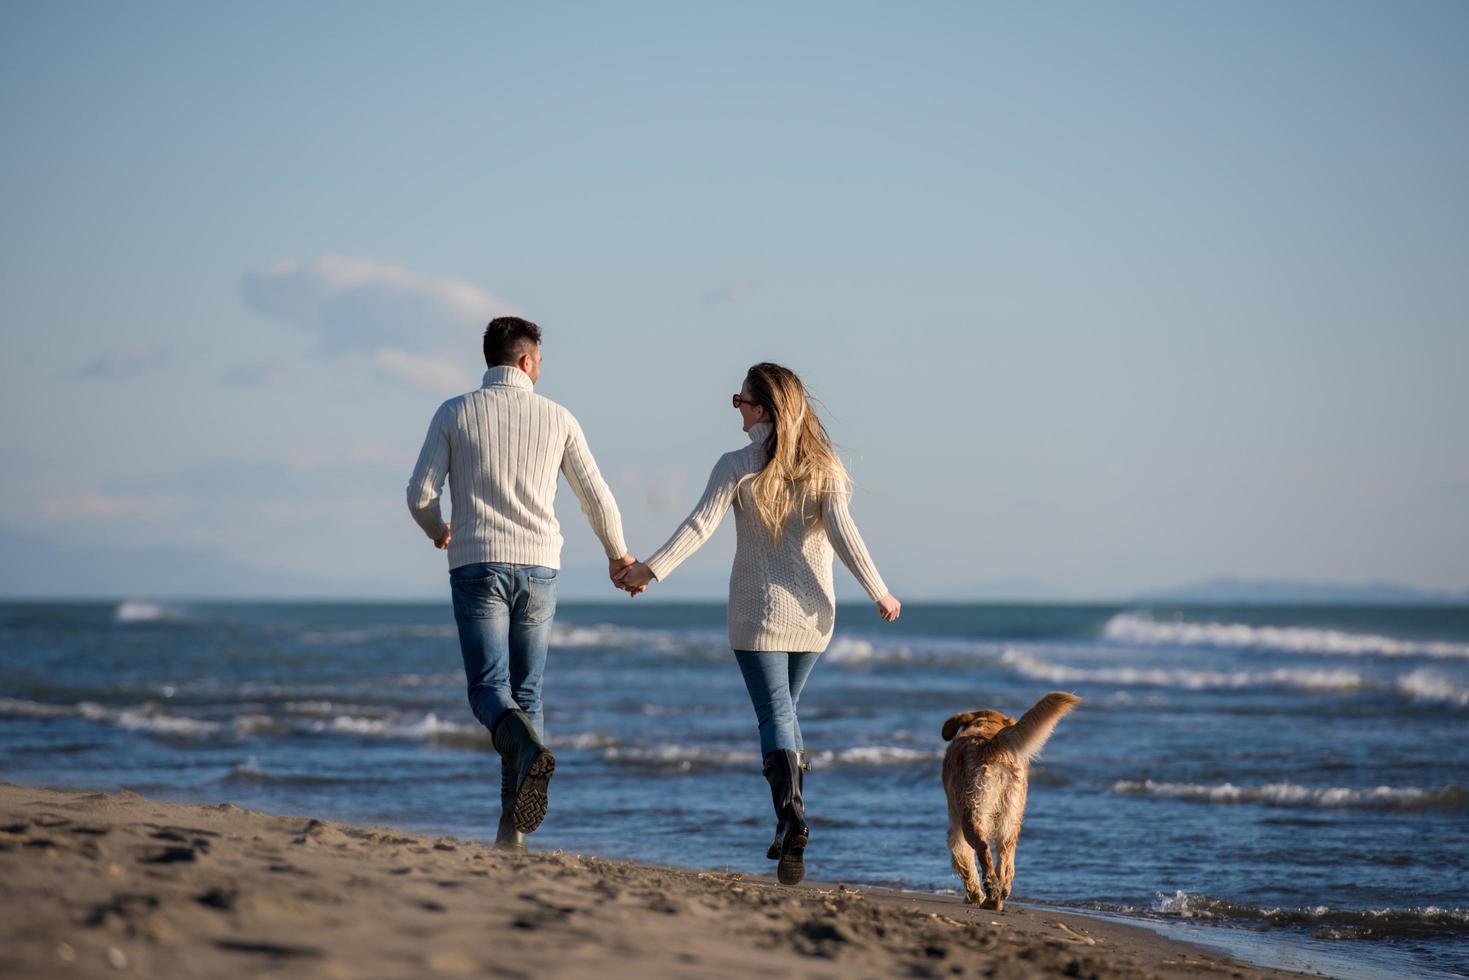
(1099, 298)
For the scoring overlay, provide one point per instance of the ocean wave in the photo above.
(427, 727)
(250, 771)
(134, 611)
(1422, 922)
(371, 634)
(690, 758)
(1138, 628)
(845, 648)
(875, 755)
(1035, 668)
(20, 708)
(147, 718)
(685, 758)
(1424, 685)
(1449, 799)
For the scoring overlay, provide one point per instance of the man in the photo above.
(501, 448)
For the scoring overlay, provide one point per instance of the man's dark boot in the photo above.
(783, 772)
(507, 837)
(803, 763)
(532, 765)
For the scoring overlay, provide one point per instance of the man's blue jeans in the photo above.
(774, 681)
(504, 615)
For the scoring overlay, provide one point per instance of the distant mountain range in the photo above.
(1228, 591)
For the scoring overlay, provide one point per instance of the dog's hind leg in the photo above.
(981, 850)
(1007, 864)
(963, 857)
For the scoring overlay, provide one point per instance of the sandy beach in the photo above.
(108, 884)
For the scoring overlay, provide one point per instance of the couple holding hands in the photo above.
(501, 448)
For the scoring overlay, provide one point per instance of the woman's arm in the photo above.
(847, 542)
(694, 530)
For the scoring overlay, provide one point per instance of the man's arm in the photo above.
(592, 492)
(426, 485)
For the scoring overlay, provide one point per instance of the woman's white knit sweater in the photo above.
(780, 589)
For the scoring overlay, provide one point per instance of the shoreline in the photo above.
(103, 884)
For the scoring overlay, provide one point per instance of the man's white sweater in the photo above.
(501, 448)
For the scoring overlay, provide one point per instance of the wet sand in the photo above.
(113, 884)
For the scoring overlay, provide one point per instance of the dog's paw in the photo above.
(992, 903)
(973, 898)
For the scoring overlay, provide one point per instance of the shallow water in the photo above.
(1286, 779)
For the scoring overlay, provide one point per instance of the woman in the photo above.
(789, 493)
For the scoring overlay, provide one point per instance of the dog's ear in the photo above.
(956, 722)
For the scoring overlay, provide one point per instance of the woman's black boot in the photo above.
(532, 764)
(803, 763)
(506, 836)
(783, 772)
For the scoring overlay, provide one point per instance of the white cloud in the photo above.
(259, 374)
(418, 328)
(99, 505)
(435, 373)
(127, 361)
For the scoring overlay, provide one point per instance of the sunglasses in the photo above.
(738, 400)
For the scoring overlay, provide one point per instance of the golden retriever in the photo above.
(985, 776)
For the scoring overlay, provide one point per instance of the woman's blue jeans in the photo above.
(504, 615)
(774, 681)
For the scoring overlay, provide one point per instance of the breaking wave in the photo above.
(1193, 680)
(251, 772)
(1424, 685)
(690, 758)
(1449, 799)
(1140, 628)
(1422, 922)
(134, 611)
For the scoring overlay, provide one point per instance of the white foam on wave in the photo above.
(843, 649)
(134, 611)
(1452, 798)
(1425, 685)
(427, 726)
(20, 708)
(1034, 667)
(689, 757)
(369, 634)
(874, 755)
(147, 718)
(684, 757)
(1139, 628)
(1326, 922)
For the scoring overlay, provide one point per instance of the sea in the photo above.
(1290, 784)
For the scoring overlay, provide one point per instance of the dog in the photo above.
(985, 774)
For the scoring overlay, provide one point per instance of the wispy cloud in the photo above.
(414, 327)
(436, 373)
(108, 507)
(127, 361)
(258, 374)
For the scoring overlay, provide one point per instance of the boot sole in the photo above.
(531, 802)
(792, 866)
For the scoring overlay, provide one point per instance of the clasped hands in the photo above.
(629, 574)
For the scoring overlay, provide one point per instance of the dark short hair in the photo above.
(508, 338)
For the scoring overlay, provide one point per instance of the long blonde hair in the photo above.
(800, 463)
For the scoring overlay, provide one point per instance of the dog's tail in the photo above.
(1028, 735)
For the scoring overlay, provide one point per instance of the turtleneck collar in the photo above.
(507, 376)
(760, 431)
